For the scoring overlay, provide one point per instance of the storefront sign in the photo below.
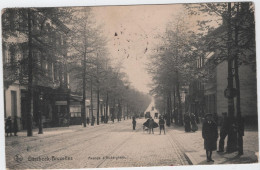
(61, 103)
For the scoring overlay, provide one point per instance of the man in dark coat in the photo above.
(215, 117)
(134, 123)
(8, 126)
(223, 132)
(161, 124)
(15, 125)
(187, 122)
(151, 121)
(88, 120)
(210, 136)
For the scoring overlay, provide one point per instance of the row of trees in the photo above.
(173, 67)
(42, 46)
(232, 41)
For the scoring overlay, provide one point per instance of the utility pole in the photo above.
(232, 135)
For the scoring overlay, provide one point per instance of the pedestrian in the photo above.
(88, 120)
(151, 121)
(93, 120)
(8, 126)
(102, 120)
(215, 117)
(161, 124)
(134, 123)
(223, 132)
(210, 135)
(194, 126)
(113, 118)
(187, 122)
(15, 125)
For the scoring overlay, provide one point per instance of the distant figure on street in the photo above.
(93, 120)
(88, 120)
(161, 124)
(215, 117)
(151, 121)
(15, 125)
(134, 123)
(102, 119)
(210, 135)
(8, 126)
(223, 132)
(187, 122)
(113, 118)
(194, 126)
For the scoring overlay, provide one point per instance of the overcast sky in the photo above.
(136, 28)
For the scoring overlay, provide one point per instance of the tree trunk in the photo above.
(91, 103)
(174, 105)
(98, 106)
(239, 117)
(30, 77)
(180, 120)
(106, 116)
(126, 110)
(168, 121)
(232, 135)
(83, 113)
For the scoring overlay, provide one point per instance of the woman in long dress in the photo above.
(187, 122)
(194, 126)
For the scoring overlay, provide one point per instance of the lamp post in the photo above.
(40, 114)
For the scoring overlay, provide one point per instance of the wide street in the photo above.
(106, 145)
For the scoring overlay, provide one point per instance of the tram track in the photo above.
(78, 142)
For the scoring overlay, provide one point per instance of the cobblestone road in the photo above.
(106, 145)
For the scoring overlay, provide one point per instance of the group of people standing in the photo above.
(11, 126)
(210, 134)
(190, 122)
(151, 124)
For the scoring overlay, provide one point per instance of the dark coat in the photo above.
(8, 126)
(194, 126)
(15, 125)
(161, 122)
(224, 126)
(134, 122)
(151, 121)
(210, 135)
(187, 123)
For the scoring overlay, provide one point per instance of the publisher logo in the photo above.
(18, 158)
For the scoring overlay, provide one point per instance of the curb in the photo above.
(190, 159)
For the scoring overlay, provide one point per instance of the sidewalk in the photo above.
(193, 146)
(53, 131)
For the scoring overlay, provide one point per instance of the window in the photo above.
(75, 111)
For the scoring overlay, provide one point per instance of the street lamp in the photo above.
(40, 114)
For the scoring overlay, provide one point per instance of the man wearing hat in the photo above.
(210, 136)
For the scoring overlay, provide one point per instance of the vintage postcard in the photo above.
(129, 86)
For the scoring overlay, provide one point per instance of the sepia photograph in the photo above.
(116, 86)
